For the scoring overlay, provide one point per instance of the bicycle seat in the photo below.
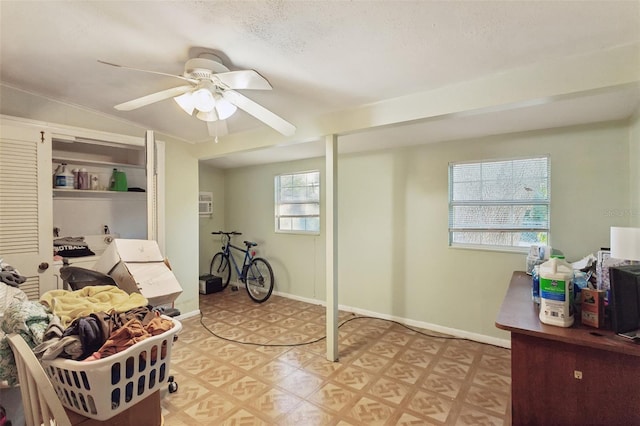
(250, 243)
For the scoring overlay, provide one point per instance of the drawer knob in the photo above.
(43, 266)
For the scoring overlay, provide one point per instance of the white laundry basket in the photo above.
(103, 388)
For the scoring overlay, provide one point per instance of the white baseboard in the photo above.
(189, 314)
(481, 338)
(299, 298)
(238, 284)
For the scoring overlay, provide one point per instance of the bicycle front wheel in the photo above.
(259, 280)
(220, 267)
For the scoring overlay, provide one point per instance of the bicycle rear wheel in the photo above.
(220, 267)
(259, 280)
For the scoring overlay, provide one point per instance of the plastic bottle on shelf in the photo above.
(95, 182)
(556, 292)
(83, 179)
(76, 180)
(118, 181)
(56, 173)
(112, 180)
(64, 178)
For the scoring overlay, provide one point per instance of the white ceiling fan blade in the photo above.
(152, 98)
(260, 112)
(217, 128)
(245, 79)
(190, 80)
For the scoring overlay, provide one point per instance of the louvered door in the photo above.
(26, 237)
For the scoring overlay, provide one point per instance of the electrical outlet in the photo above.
(577, 374)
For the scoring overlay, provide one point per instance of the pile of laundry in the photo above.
(9, 275)
(84, 325)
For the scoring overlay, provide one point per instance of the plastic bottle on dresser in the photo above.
(535, 284)
(580, 282)
(556, 292)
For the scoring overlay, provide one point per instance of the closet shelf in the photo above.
(84, 162)
(83, 193)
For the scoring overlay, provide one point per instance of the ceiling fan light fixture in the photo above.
(207, 116)
(224, 108)
(185, 101)
(203, 100)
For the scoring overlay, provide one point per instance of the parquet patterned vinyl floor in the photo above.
(386, 375)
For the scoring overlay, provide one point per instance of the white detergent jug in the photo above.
(556, 292)
(64, 178)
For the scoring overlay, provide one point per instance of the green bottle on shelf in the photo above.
(118, 181)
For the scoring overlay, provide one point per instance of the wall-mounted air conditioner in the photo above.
(205, 205)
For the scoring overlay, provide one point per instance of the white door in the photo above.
(26, 236)
(155, 189)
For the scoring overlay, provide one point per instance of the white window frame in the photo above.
(279, 203)
(514, 227)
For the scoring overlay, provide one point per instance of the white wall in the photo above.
(125, 215)
(393, 213)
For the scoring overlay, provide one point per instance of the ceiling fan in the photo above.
(211, 94)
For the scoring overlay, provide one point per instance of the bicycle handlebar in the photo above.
(249, 244)
(226, 233)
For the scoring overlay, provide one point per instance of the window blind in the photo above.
(500, 203)
(298, 202)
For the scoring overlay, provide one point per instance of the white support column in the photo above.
(331, 226)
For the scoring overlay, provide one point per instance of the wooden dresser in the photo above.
(567, 376)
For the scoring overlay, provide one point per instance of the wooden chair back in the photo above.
(39, 398)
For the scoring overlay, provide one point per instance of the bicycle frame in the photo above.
(248, 257)
(254, 272)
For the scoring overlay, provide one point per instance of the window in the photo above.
(298, 202)
(500, 203)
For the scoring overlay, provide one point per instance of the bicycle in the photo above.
(256, 272)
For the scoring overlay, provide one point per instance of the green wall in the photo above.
(211, 180)
(393, 211)
(297, 260)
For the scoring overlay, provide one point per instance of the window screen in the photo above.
(298, 202)
(499, 203)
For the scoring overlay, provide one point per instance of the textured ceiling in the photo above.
(319, 56)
